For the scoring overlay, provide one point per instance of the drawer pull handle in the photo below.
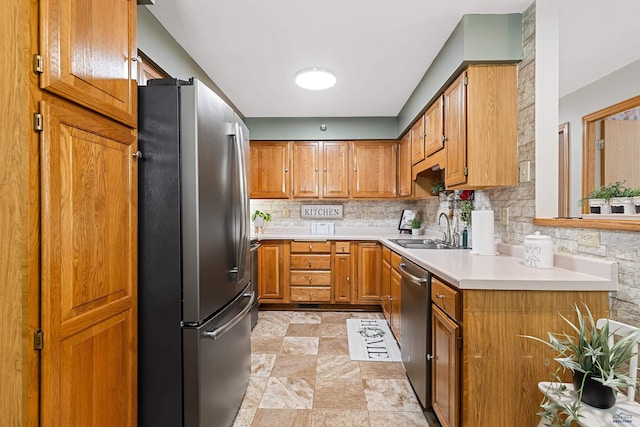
(309, 263)
(310, 248)
(348, 279)
(342, 248)
(440, 296)
(309, 279)
(310, 297)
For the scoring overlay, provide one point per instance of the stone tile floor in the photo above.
(301, 375)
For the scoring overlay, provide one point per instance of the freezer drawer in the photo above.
(217, 365)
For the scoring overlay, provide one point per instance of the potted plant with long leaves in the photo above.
(596, 367)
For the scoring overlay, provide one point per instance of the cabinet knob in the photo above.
(348, 279)
(440, 296)
(325, 169)
(286, 169)
(137, 155)
(310, 248)
(309, 263)
(316, 169)
(309, 279)
(342, 248)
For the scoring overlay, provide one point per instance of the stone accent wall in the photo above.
(356, 213)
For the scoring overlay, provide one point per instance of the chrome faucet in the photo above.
(448, 233)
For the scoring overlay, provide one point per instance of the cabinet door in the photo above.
(455, 130)
(368, 279)
(385, 289)
(89, 52)
(269, 170)
(434, 128)
(306, 169)
(446, 368)
(342, 278)
(88, 268)
(396, 303)
(404, 166)
(335, 182)
(271, 277)
(417, 141)
(374, 169)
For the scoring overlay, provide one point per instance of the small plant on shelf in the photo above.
(437, 188)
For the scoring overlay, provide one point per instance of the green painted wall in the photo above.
(308, 128)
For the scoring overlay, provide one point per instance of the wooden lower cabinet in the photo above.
(368, 272)
(310, 274)
(272, 280)
(484, 372)
(396, 303)
(342, 272)
(385, 284)
(445, 381)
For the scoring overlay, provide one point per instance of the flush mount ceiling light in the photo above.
(315, 78)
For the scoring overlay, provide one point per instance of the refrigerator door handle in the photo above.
(218, 332)
(241, 248)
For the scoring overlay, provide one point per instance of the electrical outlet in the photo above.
(285, 213)
(367, 213)
(504, 218)
(589, 238)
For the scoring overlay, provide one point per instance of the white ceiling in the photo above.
(379, 49)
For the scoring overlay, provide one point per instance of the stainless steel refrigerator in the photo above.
(194, 263)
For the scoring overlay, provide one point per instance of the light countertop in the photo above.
(461, 268)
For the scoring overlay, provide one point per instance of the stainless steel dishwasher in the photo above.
(416, 328)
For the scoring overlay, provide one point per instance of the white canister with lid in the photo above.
(538, 251)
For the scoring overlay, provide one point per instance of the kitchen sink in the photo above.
(423, 244)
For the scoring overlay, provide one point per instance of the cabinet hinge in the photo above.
(38, 64)
(465, 81)
(599, 144)
(37, 122)
(38, 339)
(443, 138)
(459, 343)
(466, 171)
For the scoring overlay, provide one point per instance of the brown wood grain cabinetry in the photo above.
(342, 272)
(446, 349)
(272, 280)
(404, 166)
(480, 127)
(478, 350)
(434, 127)
(368, 274)
(89, 51)
(374, 169)
(385, 283)
(269, 170)
(417, 141)
(321, 169)
(310, 271)
(396, 297)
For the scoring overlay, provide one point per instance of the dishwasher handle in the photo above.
(415, 279)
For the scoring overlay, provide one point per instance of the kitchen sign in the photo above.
(321, 211)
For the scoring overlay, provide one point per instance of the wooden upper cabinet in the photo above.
(269, 170)
(321, 169)
(335, 169)
(434, 127)
(404, 166)
(374, 169)
(306, 169)
(455, 130)
(88, 50)
(481, 128)
(417, 141)
(88, 268)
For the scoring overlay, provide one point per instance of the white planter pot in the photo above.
(599, 206)
(416, 231)
(636, 204)
(622, 205)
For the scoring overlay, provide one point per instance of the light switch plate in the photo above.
(589, 238)
(525, 171)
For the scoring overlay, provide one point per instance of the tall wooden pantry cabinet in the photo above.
(69, 204)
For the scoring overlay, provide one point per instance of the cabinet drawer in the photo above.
(447, 298)
(310, 293)
(386, 254)
(343, 247)
(395, 260)
(310, 262)
(311, 278)
(311, 247)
